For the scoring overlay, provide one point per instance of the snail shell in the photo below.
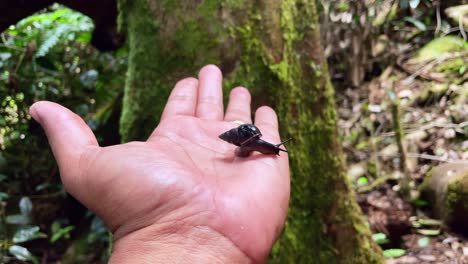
(241, 135)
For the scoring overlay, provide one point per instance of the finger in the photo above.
(182, 100)
(210, 94)
(239, 106)
(68, 135)
(267, 121)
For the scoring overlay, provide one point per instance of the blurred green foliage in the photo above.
(48, 56)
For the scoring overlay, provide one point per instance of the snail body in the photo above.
(248, 139)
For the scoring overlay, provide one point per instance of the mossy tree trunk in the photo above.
(273, 48)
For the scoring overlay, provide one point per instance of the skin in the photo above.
(182, 195)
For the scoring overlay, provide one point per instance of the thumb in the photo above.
(69, 137)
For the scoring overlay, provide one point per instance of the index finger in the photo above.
(182, 100)
(267, 121)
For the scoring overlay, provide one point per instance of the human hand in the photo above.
(182, 194)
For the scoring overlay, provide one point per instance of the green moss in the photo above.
(122, 5)
(160, 56)
(438, 47)
(456, 200)
(451, 66)
(140, 105)
(234, 4)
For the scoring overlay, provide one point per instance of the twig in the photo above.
(44, 196)
(12, 47)
(374, 153)
(451, 30)
(3, 37)
(408, 80)
(400, 137)
(460, 26)
(8, 46)
(430, 157)
(375, 183)
(457, 127)
(20, 61)
(438, 19)
(3, 223)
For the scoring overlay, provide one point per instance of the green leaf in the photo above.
(42, 186)
(419, 202)
(404, 3)
(61, 233)
(362, 181)
(22, 254)
(55, 226)
(82, 110)
(380, 238)
(84, 37)
(417, 23)
(17, 219)
(3, 196)
(27, 233)
(51, 40)
(462, 69)
(25, 206)
(89, 78)
(361, 145)
(12, 31)
(391, 94)
(416, 224)
(5, 56)
(430, 222)
(394, 253)
(423, 242)
(414, 3)
(429, 232)
(343, 6)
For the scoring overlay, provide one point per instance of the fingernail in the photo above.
(34, 113)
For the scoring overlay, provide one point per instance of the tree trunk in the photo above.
(273, 48)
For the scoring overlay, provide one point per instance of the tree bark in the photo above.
(273, 48)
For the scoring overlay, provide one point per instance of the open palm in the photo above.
(183, 176)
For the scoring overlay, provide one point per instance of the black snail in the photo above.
(247, 138)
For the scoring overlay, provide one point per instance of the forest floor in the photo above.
(433, 115)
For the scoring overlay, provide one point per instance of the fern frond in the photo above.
(51, 40)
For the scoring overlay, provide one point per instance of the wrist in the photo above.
(197, 245)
